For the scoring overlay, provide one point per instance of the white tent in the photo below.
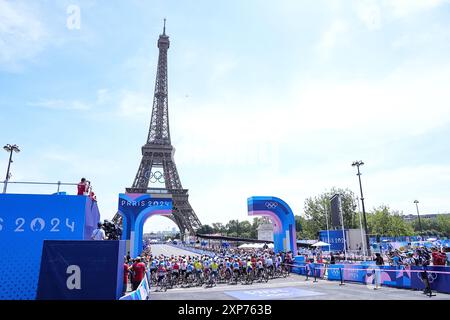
(321, 244)
(254, 245)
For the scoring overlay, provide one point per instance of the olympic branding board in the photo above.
(81, 270)
(135, 209)
(333, 237)
(282, 219)
(26, 220)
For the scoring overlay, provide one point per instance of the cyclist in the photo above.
(153, 266)
(161, 271)
(259, 267)
(198, 268)
(189, 269)
(249, 267)
(236, 268)
(214, 267)
(175, 270)
(269, 263)
(183, 267)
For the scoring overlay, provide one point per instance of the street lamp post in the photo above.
(9, 148)
(357, 164)
(418, 216)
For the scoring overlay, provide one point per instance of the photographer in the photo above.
(423, 259)
(98, 234)
(83, 187)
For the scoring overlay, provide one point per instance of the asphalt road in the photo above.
(294, 287)
(166, 250)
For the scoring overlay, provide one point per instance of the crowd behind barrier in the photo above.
(402, 273)
(392, 276)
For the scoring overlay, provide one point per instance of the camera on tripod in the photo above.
(112, 231)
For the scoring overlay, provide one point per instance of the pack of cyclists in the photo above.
(187, 271)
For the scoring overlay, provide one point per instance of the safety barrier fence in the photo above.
(373, 275)
(142, 292)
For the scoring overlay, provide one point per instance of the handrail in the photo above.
(51, 183)
(59, 183)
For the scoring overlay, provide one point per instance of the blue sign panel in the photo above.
(26, 220)
(87, 270)
(336, 239)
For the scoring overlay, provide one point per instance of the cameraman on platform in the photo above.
(112, 231)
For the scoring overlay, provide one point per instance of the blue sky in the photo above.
(265, 98)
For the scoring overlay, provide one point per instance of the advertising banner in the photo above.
(81, 270)
(336, 239)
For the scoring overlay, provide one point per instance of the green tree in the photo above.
(319, 207)
(219, 228)
(205, 229)
(443, 222)
(232, 228)
(383, 222)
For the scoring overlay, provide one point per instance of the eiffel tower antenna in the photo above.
(158, 152)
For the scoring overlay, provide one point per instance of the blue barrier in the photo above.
(438, 280)
(81, 270)
(26, 220)
(399, 277)
(141, 293)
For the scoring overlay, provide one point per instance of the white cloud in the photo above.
(369, 12)
(135, 104)
(334, 34)
(61, 105)
(405, 8)
(373, 13)
(223, 67)
(22, 34)
(103, 97)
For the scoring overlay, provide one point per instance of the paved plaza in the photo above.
(294, 287)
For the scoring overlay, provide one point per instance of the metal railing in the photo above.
(59, 184)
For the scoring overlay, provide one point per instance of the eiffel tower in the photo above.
(158, 152)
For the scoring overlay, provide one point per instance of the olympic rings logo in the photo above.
(431, 276)
(154, 176)
(271, 205)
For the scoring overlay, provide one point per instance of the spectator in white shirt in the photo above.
(99, 233)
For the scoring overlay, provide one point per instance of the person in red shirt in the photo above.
(125, 276)
(438, 258)
(82, 187)
(139, 272)
(253, 260)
